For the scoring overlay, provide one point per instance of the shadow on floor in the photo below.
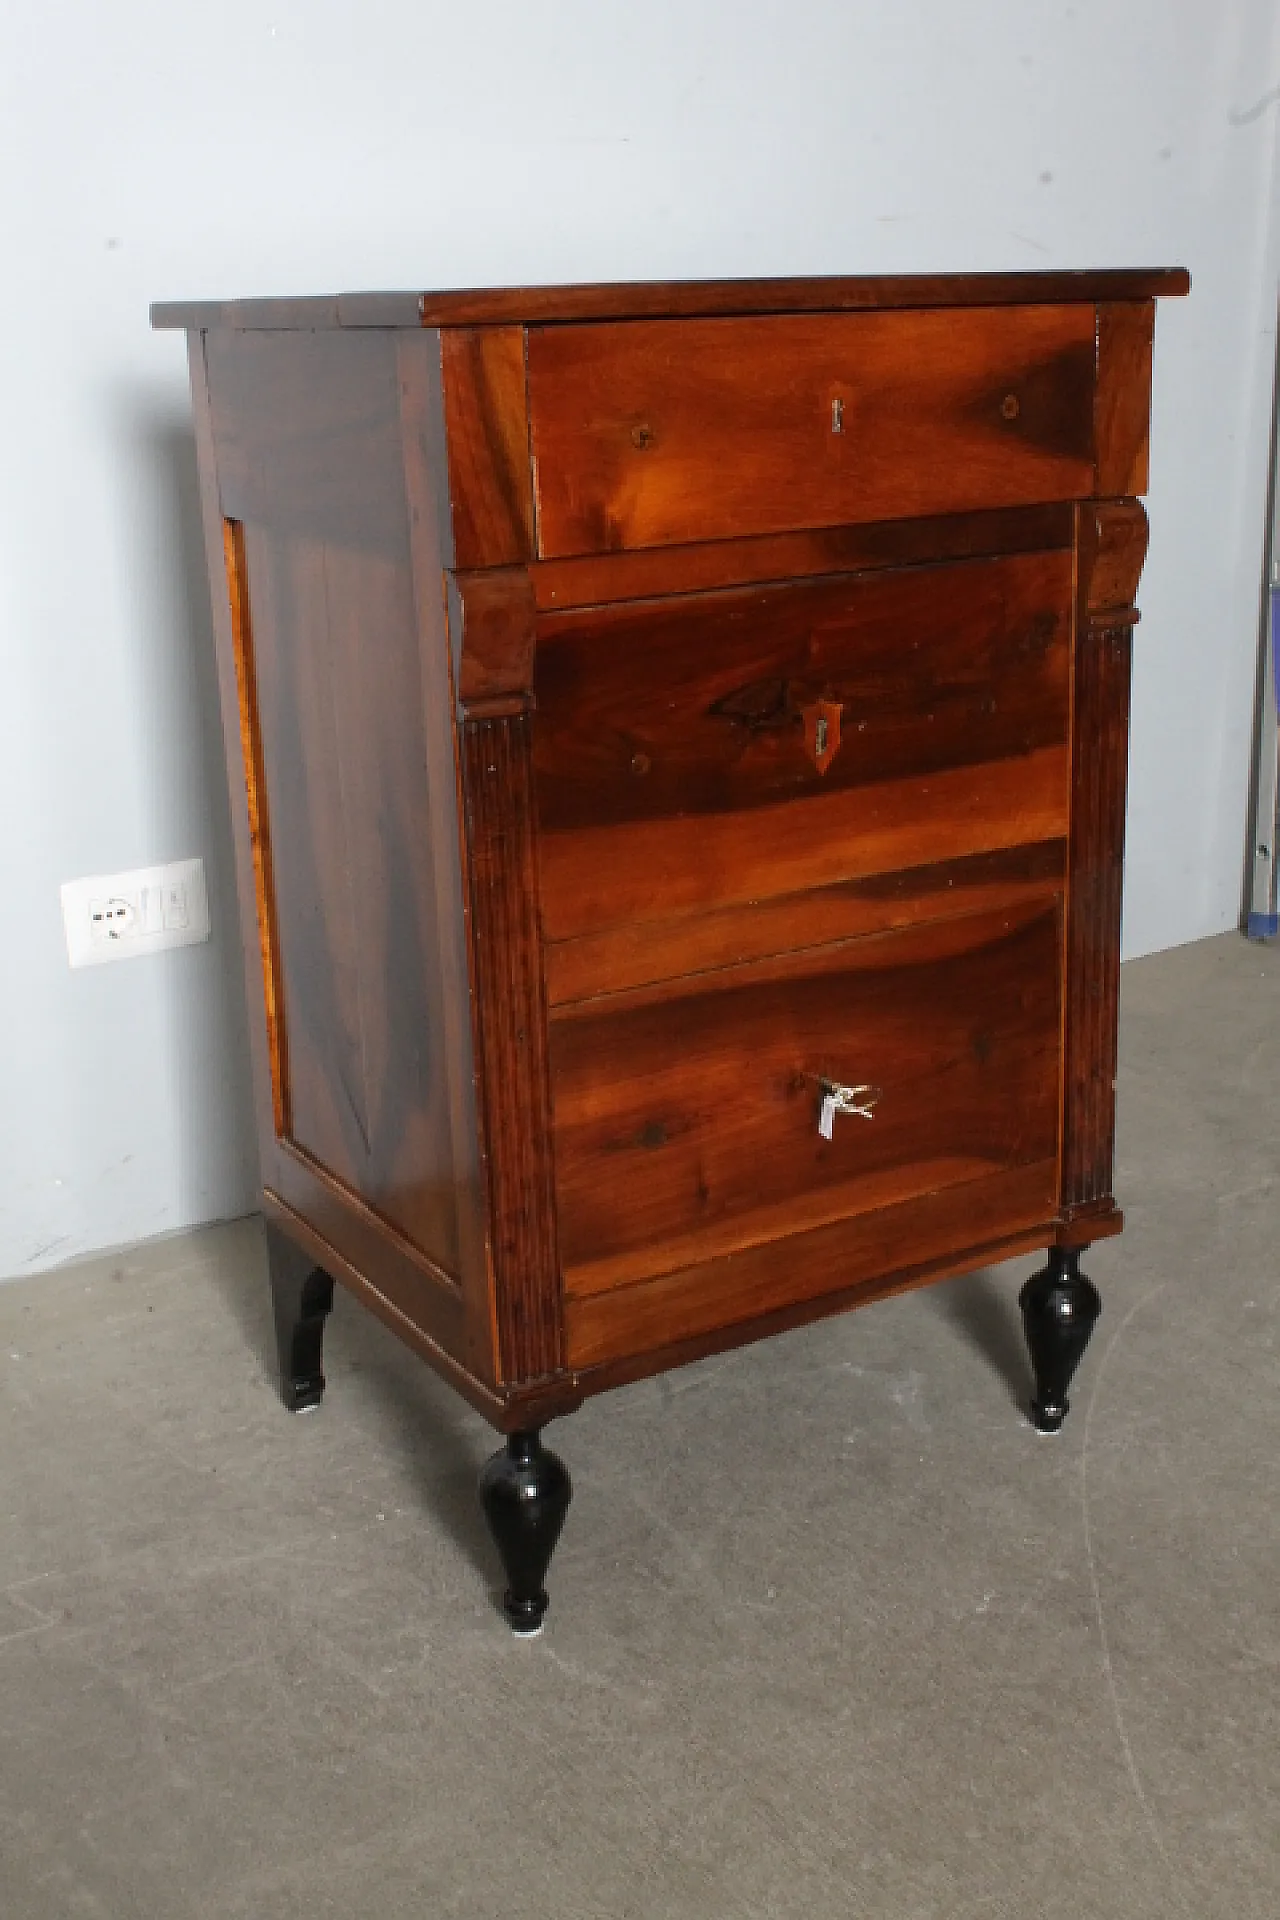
(412, 1413)
(425, 1424)
(981, 1309)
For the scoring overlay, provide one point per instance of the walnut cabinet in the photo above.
(677, 737)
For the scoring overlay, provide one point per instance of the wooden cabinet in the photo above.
(678, 744)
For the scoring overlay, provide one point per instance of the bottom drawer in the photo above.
(687, 1116)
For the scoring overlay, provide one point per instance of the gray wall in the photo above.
(152, 151)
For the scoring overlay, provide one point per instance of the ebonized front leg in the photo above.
(301, 1296)
(525, 1492)
(1059, 1306)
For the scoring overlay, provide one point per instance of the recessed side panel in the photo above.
(340, 704)
(329, 675)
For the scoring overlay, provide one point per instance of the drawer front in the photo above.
(727, 748)
(647, 433)
(687, 1120)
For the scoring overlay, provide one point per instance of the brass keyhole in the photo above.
(642, 436)
(1011, 406)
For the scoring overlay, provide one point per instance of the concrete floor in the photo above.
(833, 1632)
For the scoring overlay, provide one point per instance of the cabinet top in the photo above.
(658, 299)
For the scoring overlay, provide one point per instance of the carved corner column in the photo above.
(1111, 545)
(492, 620)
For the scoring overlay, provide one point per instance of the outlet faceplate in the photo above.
(120, 916)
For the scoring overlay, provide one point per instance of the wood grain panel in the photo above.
(511, 1032)
(650, 870)
(675, 1316)
(1113, 539)
(641, 955)
(692, 706)
(234, 696)
(417, 358)
(1122, 404)
(425, 1290)
(642, 1363)
(655, 572)
(490, 479)
(953, 684)
(308, 436)
(686, 1117)
(661, 432)
(340, 701)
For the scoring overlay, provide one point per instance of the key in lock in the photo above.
(837, 1098)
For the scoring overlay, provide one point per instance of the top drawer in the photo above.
(648, 433)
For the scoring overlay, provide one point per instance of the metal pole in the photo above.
(1264, 913)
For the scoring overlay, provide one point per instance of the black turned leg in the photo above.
(1059, 1306)
(301, 1296)
(525, 1492)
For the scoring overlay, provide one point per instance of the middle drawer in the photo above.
(713, 750)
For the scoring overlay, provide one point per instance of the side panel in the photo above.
(422, 423)
(367, 1041)
(339, 701)
(237, 702)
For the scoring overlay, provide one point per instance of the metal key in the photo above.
(837, 1099)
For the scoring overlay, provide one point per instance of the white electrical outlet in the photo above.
(118, 916)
